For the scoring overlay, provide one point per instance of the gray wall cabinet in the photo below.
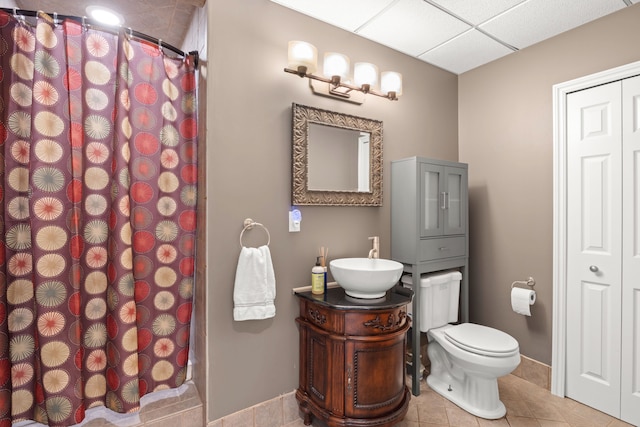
(429, 228)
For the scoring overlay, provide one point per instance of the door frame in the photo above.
(560, 92)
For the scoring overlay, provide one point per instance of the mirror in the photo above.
(337, 159)
(342, 149)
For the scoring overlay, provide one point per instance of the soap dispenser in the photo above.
(317, 278)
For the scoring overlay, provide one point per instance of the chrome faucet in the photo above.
(375, 251)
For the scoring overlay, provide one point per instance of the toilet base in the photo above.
(452, 390)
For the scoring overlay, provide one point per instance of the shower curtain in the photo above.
(98, 141)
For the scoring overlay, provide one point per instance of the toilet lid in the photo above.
(482, 340)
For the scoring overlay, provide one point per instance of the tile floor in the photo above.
(528, 405)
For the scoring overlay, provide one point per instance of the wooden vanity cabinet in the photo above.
(352, 357)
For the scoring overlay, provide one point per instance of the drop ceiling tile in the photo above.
(465, 52)
(348, 15)
(412, 27)
(536, 20)
(476, 12)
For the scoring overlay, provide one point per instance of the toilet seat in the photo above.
(481, 340)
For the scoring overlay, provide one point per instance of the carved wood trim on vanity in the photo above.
(392, 323)
(318, 317)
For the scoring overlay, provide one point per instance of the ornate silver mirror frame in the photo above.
(303, 117)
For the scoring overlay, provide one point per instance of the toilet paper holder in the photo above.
(530, 282)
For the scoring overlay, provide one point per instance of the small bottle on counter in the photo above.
(317, 278)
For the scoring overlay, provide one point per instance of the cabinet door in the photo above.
(375, 382)
(443, 209)
(432, 200)
(316, 380)
(455, 200)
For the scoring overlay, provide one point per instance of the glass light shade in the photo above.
(302, 54)
(365, 73)
(390, 81)
(336, 64)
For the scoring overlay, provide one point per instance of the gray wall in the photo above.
(505, 114)
(248, 153)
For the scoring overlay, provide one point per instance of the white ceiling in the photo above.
(457, 35)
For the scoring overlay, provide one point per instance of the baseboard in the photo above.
(533, 371)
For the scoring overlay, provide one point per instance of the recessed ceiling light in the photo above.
(105, 15)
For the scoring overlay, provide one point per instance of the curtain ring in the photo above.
(160, 44)
(130, 33)
(17, 16)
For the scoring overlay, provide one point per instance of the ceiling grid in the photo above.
(457, 35)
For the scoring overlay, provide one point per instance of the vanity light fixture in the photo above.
(334, 81)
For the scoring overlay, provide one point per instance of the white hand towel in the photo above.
(254, 291)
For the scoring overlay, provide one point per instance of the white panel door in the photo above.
(630, 392)
(594, 247)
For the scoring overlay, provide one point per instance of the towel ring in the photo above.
(248, 225)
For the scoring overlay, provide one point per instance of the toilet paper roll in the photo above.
(522, 300)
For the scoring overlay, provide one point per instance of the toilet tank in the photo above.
(439, 297)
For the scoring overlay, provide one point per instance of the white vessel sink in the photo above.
(365, 277)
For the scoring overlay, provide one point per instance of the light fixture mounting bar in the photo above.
(336, 83)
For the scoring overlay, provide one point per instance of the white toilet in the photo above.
(466, 359)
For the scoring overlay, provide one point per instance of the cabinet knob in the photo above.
(593, 268)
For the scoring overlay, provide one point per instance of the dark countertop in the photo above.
(337, 299)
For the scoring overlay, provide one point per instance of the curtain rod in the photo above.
(84, 20)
